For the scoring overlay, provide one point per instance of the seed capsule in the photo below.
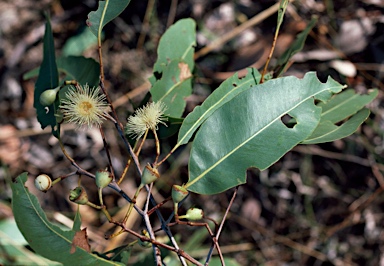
(43, 182)
(78, 195)
(178, 193)
(150, 174)
(193, 214)
(103, 178)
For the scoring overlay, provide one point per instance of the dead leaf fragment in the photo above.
(185, 72)
(80, 240)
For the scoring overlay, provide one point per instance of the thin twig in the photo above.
(172, 13)
(217, 236)
(106, 148)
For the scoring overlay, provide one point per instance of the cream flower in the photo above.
(145, 118)
(84, 106)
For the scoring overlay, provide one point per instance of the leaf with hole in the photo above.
(248, 131)
(172, 72)
(173, 87)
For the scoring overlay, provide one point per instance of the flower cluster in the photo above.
(146, 118)
(84, 106)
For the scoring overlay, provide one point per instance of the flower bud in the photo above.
(78, 195)
(145, 244)
(178, 193)
(48, 97)
(43, 182)
(193, 214)
(150, 174)
(103, 178)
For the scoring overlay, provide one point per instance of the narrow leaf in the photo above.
(48, 79)
(248, 132)
(345, 104)
(326, 131)
(44, 237)
(230, 88)
(295, 47)
(106, 12)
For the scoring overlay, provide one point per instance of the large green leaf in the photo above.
(345, 104)
(44, 237)
(84, 70)
(294, 48)
(224, 93)
(173, 87)
(248, 131)
(326, 131)
(48, 79)
(171, 81)
(106, 12)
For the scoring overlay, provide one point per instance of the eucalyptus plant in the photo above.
(238, 126)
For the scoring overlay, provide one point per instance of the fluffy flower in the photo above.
(146, 118)
(84, 106)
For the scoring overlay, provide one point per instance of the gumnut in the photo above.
(150, 174)
(78, 195)
(103, 178)
(48, 97)
(43, 182)
(178, 193)
(193, 214)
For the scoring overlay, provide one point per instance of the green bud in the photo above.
(178, 193)
(78, 195)
(103, 178)
(150, 174)
(145, 244)
(48, 97)
(193, 214)
(43, 182)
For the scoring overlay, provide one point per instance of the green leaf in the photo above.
(80, 68)
(106, 12)
(44, 237)
(338, 108)
(326, 131)
(295, 47)
(230, 88)
(228, 262)
(345, 104)
(248, 131)
(173, 69)
(173, 87)
(13, 253)
(48, 79)
(178, 42)
(79, 43)
(84, 70)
